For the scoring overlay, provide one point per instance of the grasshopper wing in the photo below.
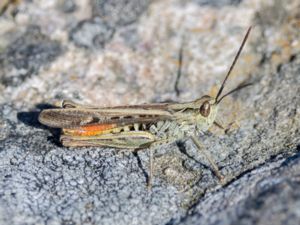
(120, 116)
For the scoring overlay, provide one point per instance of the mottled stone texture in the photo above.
(126, 52)
(26, 55)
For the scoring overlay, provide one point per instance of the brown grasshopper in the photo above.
(139, 126)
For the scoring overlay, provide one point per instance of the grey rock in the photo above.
(266, 195)
(26, 56)
(68, 6)
(93, 33)
(42, 182)
(119, 13)
(218, 3)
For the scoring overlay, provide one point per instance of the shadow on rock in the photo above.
(31, 119)
(140, 165)
(182, 148)
(292, 159)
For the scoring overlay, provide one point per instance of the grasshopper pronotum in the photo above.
(139, 126)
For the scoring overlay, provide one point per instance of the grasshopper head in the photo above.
(208, 106)
(207, 111)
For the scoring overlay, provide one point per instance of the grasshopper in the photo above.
(139, 126)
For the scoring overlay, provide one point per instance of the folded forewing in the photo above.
(76, 117)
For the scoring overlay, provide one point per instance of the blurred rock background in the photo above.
(116, 52)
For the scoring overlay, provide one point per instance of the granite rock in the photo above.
(79, 50)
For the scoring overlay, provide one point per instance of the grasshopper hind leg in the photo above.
(127, 140)
(152, 149)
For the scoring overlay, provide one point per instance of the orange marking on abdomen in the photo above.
(91, 130)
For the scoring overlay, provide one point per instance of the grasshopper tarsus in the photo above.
(220, 177)
(222, 180)
(149, 186)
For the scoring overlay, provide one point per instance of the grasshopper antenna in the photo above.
(241, 86)
(232, 65)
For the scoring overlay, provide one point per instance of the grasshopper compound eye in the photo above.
(205, 109)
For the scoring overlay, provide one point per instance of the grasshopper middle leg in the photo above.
(211, 161)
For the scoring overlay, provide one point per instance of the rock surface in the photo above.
(126, 52)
